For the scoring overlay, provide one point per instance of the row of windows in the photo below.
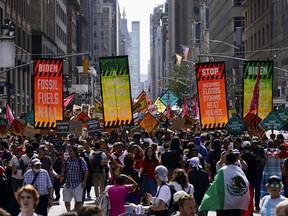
(61, 34)
(103, 22)
(22, 39)
(256, 10)
(258, 40)
(61, 13)
(20, 6)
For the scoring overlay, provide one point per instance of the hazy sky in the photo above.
(140, 10)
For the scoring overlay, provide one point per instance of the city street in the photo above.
(59, 209)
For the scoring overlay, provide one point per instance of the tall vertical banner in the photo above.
(265, 99)
(116, 91)
(48, 92)
(211, 84)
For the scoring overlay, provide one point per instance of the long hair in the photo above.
(146, 157)
(181, 177)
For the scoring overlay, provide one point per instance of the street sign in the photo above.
(235, 125)
(272, 122)
(252, 124)
(168, 96)
(282, 113)
(30, 117)
(149, 122)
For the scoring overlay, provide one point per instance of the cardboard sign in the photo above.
(189, 122)
(75, 128)
(48, 92)
(161, 107)
(30, 132)
(149, 122)
(178, 124)
(93, 127)
(62, 128)
(140, 105)
(17, 128)
(82, 117)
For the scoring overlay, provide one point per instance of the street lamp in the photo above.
(7, 52)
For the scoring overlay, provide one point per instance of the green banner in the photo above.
(265, 101)
(116, 91)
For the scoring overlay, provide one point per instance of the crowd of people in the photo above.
(164, 173)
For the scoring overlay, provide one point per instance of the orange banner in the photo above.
(48, 92)
(211, 85)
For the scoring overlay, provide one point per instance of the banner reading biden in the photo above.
(48, 92)
(116, 91)
(211, 86)
(265, 99)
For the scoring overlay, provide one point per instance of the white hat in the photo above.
(35, 162)
(178, 195)
(195, 162)
(162, 172)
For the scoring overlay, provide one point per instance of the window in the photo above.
(263, 37)
(237, 2)
(238, 22)
(268, 33)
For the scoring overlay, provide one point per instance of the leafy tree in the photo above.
(179, 82)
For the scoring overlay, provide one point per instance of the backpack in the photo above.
(171, 207)
(170, 159)
(96, 165)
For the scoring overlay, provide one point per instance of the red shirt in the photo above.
(137, 161)
(149, 167)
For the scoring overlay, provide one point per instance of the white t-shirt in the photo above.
(14, 162)
(178, 187)
(267, 202)
(164, 195)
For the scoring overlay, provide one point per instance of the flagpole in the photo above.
(259, 73)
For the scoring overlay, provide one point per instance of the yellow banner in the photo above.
(116, 91)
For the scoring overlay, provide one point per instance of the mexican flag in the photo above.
(229, 190)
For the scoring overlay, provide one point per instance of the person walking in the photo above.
(76, 173)
(229, 192)
(40, 180)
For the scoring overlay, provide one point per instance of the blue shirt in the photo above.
(74, 171)
(42, 182)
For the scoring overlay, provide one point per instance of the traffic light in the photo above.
(85, 65)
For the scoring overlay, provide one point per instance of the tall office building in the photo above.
(134, 59)
(226, 25)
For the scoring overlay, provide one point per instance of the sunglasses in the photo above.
(26, 197)
(275, 185)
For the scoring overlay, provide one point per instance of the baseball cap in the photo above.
(80, 148)
(177, 195)
(195, 162)
(273, 178)
(35, 162)
(72, 137)
(235, 151)
(246, 144)
(162, 172)
(43, 147)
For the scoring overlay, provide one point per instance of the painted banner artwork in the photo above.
(211, 86)
(48, 92)
(116, 91)
(265, 99)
